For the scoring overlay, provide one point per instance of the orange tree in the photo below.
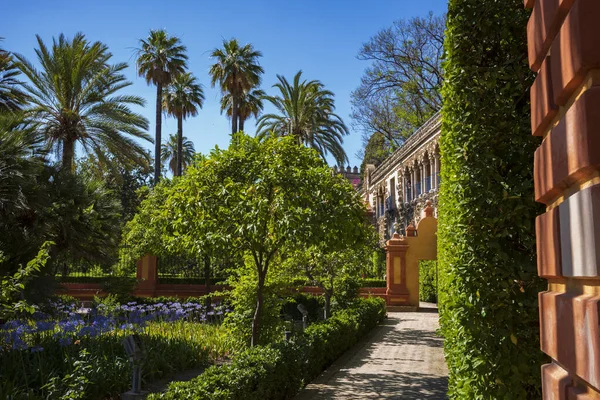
(260, 198)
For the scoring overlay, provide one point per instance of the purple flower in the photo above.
(43, 326)
(65, 341)
(37, 349)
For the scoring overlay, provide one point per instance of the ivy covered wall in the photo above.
(486, 248)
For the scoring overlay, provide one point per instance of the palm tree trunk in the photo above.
(241, 123)
(179, 145)
(158, 132)
(68, 154)
(234, 114)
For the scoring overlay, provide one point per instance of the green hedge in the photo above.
(428, 281)
(486, 248)
(279, 370)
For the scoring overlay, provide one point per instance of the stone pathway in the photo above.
(402, 359)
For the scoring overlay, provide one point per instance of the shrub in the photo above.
(279, 370)
(428, 281)
(372, 282)
(486, 248)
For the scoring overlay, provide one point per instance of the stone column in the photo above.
(147, 276)
(565, 99)
(396, 248)
(423, 177)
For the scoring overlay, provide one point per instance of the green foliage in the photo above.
(243, 296)
(237, 71)
(98, 367)
(76, 98)
(306, 111)
(372, 282)
(12, 287)
(168, 152)
(486, 248)
(279, 370)
(428, 281)
(257, 198)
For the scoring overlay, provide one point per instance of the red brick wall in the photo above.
(564, 49)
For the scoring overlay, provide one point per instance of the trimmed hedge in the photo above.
(279, 370)
(486, 248)
(428, 281)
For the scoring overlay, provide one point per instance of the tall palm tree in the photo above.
(251, 104)
(306, 111)
(169, 152)
(75, 98)
(183, 97)
(12, 97)
(237, 71)
(160, 58)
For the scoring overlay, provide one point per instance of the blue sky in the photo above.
(321, 38)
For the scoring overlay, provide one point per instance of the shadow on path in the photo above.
(401, 359)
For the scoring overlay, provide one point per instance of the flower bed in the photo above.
(79, 353)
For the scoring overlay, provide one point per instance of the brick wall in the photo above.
(564, 49)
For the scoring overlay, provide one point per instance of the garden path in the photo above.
(401, 359)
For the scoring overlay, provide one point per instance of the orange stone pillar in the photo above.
(397, 292)
(147, 276)
(564, 49)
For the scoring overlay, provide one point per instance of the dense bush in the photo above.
(487, 270)
(372, 282)
(279, 370)
(428, 281)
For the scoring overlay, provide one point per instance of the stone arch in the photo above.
(402, 260)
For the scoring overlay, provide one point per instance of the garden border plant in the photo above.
(486, 248)
(279, 370)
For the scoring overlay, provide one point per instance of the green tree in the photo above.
(306, 112)
(125, 181)
(327, 269)
(160, 58)
(12, 287)
(257, 197)
(237, 71)
(12, 97)
(486, 235)
(401, 88)
(376, 151)
(75, 99)
(251, 104)
(168, 153)
(183, 97)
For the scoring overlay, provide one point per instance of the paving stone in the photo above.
(402, 359)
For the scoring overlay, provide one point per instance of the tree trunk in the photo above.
(157, 137)
(327, 310)
(234, 114)
(179, 169)
(241, 124)
(68, 154)
(258, 313)
(207, 272)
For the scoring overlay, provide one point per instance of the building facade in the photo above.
(397, 190)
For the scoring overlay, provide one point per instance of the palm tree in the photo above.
(169, 152)
(160, 58)
(75, 98)
(237, 71)
(306, 111)
(182, 99)
(251, 104)
(12, 97)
